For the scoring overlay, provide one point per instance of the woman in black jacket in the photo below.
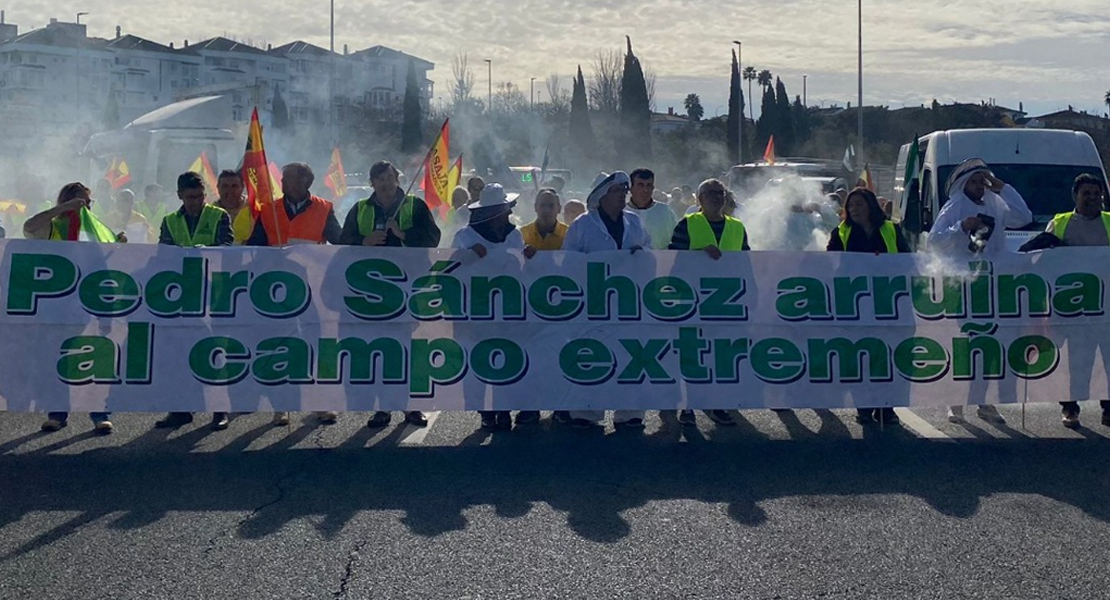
(866, 228)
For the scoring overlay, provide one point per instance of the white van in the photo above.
(1041, 164)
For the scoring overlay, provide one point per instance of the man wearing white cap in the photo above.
(978, 204)
(608, 225)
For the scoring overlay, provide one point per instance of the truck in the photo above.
(1041, 164)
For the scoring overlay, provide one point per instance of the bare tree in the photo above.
(649, 81)
(605, 85)
(462, 85)
(558, 96)
(508, 98)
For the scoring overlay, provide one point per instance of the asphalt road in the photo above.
(785, 505)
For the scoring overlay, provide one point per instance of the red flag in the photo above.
(336, 179)
(118, 174)
(769, 153)
(256, 177)
(437, 194)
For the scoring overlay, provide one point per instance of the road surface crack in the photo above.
(281, 490)
(348, 571)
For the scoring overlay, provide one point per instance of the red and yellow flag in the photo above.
(203, 167)
(256, 176)
(437, 189)
(336, 179)
(275, 179)
(769, 153)
(454, 176)
(118, 174)
(865, 178)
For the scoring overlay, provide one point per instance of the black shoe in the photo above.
(489, 420)
(562, 417)
(630, 424)
(417, 418)
(174, 419)
(219, 421)
(721, 417)
(504, 420)
(583, 423)
(865, 416)
(886, 416)
(1106, 418)
(527, 417)
(687, 417)
(379, 419)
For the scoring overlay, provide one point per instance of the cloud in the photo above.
(1017, 50)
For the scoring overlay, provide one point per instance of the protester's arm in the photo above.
(424, 233)
(349, 236)
(332, 230)
(38, 226)
(835, 245)
(680, 239)
(745, 246)
(515, 241)
(1018, 214)
(573, 240)
(947, 233)
(258, 236)
(224, 235)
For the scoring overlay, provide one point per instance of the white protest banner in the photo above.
(155, 328)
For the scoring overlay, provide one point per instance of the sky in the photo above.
(1042, 55)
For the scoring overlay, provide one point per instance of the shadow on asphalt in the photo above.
(591, 477)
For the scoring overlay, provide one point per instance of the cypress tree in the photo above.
(735, 111)
(412, 118)
(635, 111)
(581, 131)
(784, 120)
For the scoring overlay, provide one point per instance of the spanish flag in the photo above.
(769, 153)
(336, 179)
(256, 176)
(454, 176)
(118, 174)
(203, 167)
(437, 189)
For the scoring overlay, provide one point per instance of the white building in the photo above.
(378, 77)
(249, 74)
(147, 75)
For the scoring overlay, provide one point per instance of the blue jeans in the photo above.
(96, 417)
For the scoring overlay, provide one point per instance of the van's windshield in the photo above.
(1046, 188)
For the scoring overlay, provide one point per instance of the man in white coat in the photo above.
(608, 225)
(962, 232)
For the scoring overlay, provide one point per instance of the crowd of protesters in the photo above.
(622, 211)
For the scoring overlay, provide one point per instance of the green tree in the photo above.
(784, 120)
(765, 78)
(1106, 99)
(802, 126)
(412, 116)
(694, 110)
(735, 112)
(582, 140)
(635, 111)
(765, 127)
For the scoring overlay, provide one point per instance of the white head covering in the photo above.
(602, 186)
(963, 173)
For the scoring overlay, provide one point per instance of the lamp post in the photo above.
(489, 93)
(77, 67)
(859, 108)
(532, 94)
(805, 99)
(740, 117)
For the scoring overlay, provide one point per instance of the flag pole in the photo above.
(424, 161)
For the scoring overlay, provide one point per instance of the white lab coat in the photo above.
(589, 234)
(1008, 209)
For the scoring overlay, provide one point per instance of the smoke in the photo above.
(788, 214)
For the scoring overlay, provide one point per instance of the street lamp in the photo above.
(77, 67)
(79, 15)
(859, 109)
(805, 99)
(489, 94)
(532, 95)
(740, 117)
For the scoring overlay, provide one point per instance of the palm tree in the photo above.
(750, 75)
(765, 78)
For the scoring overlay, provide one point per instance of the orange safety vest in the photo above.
(305, 228)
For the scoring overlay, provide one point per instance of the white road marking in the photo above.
(417, 436)
(920, 426)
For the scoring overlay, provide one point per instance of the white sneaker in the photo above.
(989, 413)
(955, 414)
(281, 419)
